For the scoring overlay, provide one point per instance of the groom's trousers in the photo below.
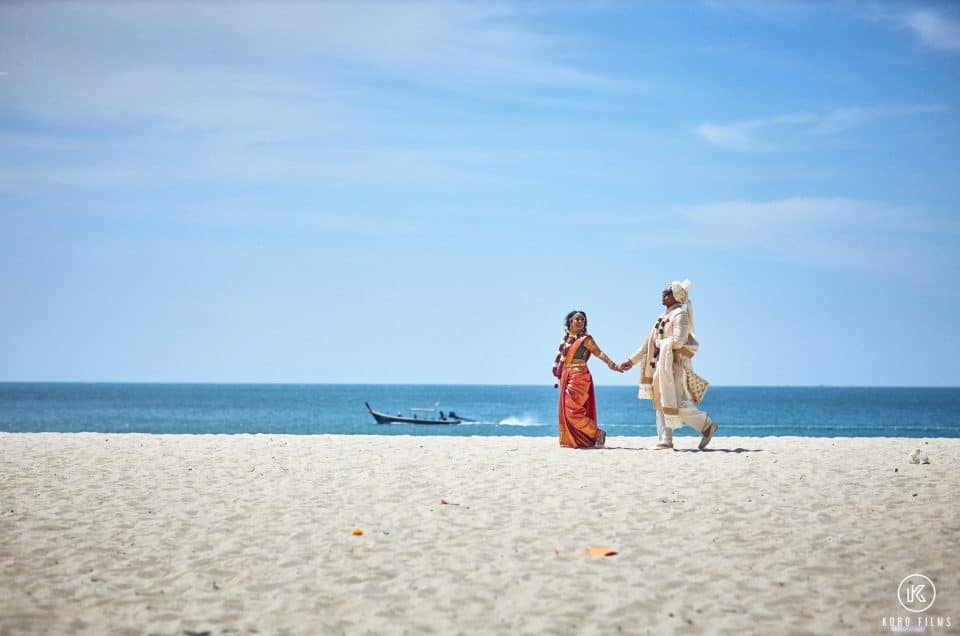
(688, 414)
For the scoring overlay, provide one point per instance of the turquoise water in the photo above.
(499, 410)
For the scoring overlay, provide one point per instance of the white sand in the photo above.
(244, 534)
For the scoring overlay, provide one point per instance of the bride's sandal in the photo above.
(601, 439)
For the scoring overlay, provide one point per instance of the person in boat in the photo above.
(577, 411)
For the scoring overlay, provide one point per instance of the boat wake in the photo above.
(519, 421)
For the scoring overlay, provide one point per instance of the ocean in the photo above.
(309, 409)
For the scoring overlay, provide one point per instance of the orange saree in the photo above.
(577, 412)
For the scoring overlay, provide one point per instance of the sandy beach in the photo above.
(255, 534)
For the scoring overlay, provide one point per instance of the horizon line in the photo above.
(477, 384)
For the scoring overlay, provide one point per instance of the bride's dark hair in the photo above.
(566, 321)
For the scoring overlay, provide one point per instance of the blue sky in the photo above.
(418, 192)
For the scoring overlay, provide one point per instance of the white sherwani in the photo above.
(664, 360)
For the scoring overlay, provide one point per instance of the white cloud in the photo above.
(934, 29)
(147, 92)
(153, 159)
(793, 129)
(823, 231)
(729, 136)
(745, 135)
(276, 67)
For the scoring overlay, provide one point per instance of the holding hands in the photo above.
(626, 365)
(610, 363)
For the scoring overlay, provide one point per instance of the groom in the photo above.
(665, 360)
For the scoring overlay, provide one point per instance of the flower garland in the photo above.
(565, 345)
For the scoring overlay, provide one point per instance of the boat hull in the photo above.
(383, 418)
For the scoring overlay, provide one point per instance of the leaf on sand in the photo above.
(596, 551)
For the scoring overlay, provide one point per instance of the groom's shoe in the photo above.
(708, 435)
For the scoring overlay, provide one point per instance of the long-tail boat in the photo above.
(383, 418)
